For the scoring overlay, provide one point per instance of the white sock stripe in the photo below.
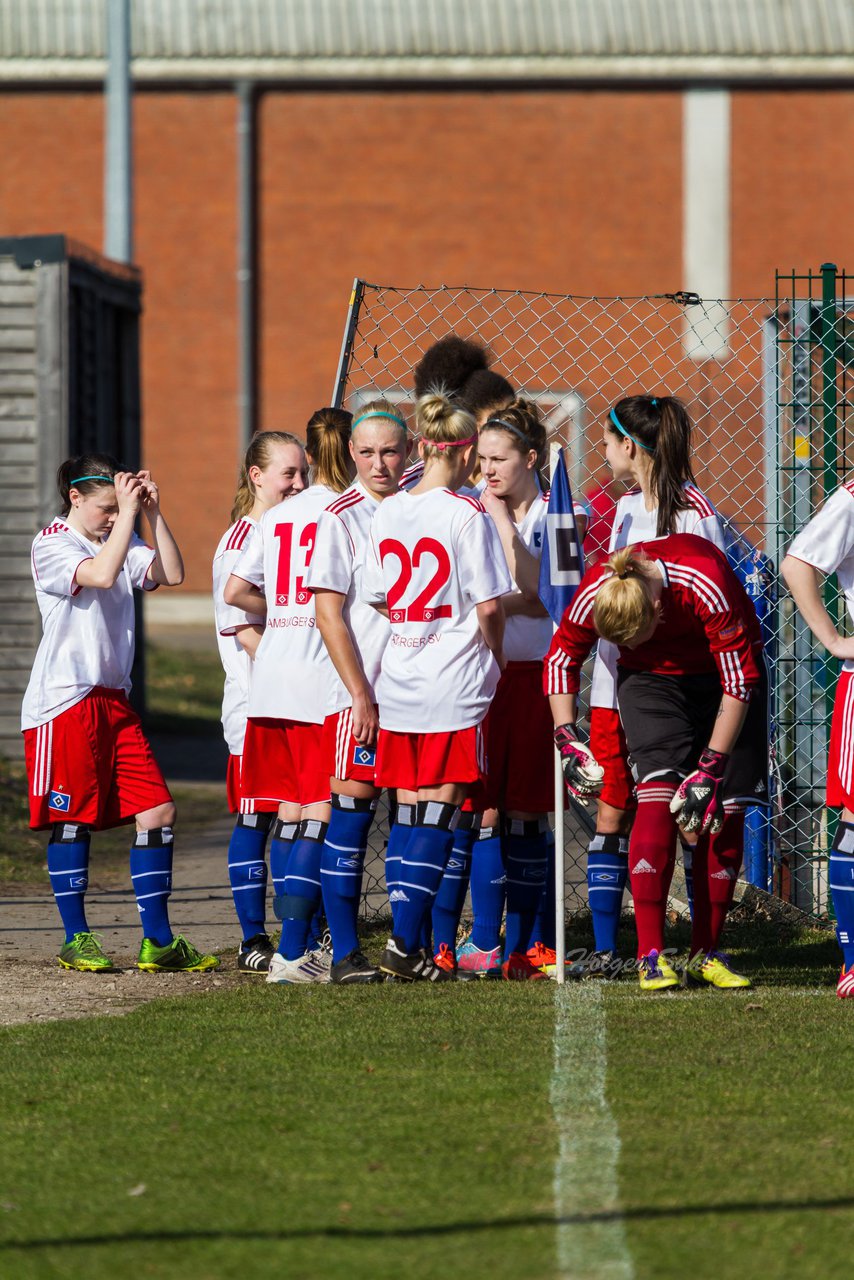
(71, 893)
(343, 848)
(302, 879)
(140, 875)
(141, 897)
(69, 871)
(242, 888)
(404, 884)
(432, 865)
(348, 875)
(254, 862)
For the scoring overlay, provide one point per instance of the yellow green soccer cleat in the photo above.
(716, 970)
(84, 954)
(656, 973)
(180, 956)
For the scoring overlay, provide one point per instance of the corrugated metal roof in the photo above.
(463, 38)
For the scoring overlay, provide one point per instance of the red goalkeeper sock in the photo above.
(717, 862)
(652, 854)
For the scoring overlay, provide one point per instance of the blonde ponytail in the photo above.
(442, 424)
(327, 440)
(624, 606)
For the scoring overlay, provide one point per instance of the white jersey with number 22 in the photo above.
(432, 558)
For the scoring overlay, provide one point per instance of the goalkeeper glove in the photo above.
(698, 804)
(583, 776)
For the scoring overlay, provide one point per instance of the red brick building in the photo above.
(568, 146)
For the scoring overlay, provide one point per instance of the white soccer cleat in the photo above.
(307, 968)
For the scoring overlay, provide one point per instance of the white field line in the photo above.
(585, 1178)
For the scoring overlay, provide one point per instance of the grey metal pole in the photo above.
(118, 196)
(246, 259)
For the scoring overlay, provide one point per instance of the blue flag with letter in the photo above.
(562, 565)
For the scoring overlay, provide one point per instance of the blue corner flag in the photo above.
(562, 564)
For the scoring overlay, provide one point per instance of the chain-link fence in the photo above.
(751, 373)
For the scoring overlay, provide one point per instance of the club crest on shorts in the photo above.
(60, 800)
(364, 757)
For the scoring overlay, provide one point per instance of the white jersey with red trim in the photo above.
(88, 632)
(708, 624)
(528, 639)
(432, 557)
(337, 565)
(827, 543)
(633, 524)
(292, 670)
(236, 662)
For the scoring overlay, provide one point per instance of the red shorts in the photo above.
(608, 744)
(520, 743)
(237, 801)
(409, 761)
(92, 764)
(284, 761)
(350, 761)
(840, 760)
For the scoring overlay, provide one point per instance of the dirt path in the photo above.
(34, 988)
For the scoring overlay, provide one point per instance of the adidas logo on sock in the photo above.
(643, 866)
(725, 873)
(397, 895)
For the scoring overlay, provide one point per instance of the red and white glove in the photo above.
(582, 774)
(698, 804)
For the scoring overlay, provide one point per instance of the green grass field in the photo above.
(399, 1131)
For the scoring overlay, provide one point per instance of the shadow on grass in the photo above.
(645, 1212)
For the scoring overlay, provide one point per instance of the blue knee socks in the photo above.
(151, 876)
(247, 871)
(526, 863)
(450, 900)
(68, 868)
(607, 871)
(544, 922)
(488, 887)
(282, 836)
(688, 868)
(841, 878)
(422, 866)
(398, 838)
(341, 865)
(301, 896)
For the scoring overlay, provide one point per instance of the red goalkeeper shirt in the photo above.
(708, 623)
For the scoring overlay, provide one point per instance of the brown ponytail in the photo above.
(662, 427)
(102, 467)
(624, 605)
(258, 454)
(327, 439)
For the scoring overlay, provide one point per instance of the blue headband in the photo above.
(623, 432)
(80, 479)
(377, 413)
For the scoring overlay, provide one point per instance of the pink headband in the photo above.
(452, 444)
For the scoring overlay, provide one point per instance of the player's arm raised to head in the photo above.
(805, 583)
(167, 567)
(524, 567)
(103, 569)
(329, 611)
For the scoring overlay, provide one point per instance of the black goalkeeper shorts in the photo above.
(668, 720)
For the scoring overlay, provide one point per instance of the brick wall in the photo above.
(576, 191)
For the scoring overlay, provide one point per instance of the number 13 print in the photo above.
(285, 534)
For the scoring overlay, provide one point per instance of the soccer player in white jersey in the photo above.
(436, 565)
(273, 469)
(824, 546)
(355, 635)
(512, 843)
(647, 441)
(88, 762)
(283, 756)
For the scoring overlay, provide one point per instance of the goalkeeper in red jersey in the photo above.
(692, 697)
